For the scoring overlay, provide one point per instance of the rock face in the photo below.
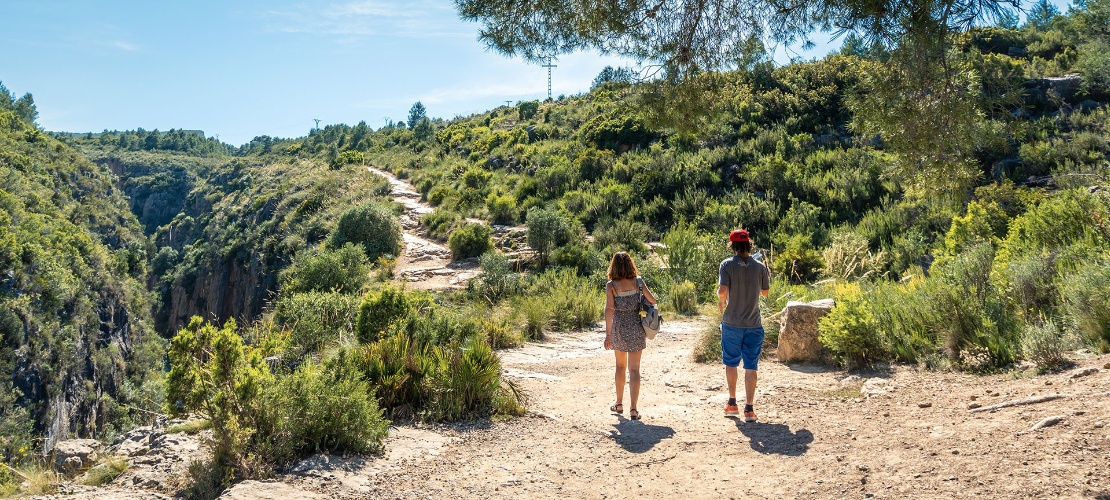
(266, 490)
(73, 455)
(156, 458)
(798, 335)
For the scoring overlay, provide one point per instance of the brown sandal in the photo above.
(633, 414)
(617, 408)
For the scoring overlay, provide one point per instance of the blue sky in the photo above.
(244, 68)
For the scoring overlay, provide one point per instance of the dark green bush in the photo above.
(382, 307)
(344, 270)
(978, 328)
(316, 319)
(471, 240)
(441, 222)
(371, 226)
(318, 410)
(547, 229)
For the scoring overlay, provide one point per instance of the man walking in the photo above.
(743, 279)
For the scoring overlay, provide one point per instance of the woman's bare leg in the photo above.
(634, 376)
(618, 378)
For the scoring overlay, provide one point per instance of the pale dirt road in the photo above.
(900, 433)
(818, 437)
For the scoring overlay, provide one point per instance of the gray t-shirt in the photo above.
(745, 278)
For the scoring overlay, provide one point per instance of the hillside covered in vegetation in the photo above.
(987, 246)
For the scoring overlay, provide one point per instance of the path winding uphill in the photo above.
(423, 264)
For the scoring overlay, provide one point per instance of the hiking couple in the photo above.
(741, 281)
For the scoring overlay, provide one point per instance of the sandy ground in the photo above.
(907, 434)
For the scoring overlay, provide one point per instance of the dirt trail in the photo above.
(423, 264)
(897, 433)
(908, 433)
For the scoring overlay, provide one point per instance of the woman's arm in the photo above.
(609, 315)
(647, 293)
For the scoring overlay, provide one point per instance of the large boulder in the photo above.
(798, 335)
(74, 455)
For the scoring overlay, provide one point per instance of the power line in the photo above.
(549, 66)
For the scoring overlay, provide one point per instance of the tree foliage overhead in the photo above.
(695, 35)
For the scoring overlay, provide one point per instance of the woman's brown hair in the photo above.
(622, 267)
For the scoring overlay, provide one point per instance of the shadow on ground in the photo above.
(775, 439)
(638, 437)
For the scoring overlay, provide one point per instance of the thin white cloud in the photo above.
(364, 18)
(125, 46)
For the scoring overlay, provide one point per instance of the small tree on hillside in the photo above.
(546, 229)
(417, 113)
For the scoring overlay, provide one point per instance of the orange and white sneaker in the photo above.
(731, 410)
(749, 416)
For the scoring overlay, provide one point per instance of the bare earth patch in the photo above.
(908, 434)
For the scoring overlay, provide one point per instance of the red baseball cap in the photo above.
(738, 235)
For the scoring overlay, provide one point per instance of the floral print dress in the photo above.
(628, 332)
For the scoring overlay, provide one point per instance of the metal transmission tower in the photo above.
(549, 66)
(317, 120)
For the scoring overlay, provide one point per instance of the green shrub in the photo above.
(695, 257)
(797, 260)
(982, 223)
(850, 330)
(849, 258)
(975, 313)
(502, 208)
(683, 298)
(497, 279)
(909, 319)
(1032, 280)
(1043, 343)
(381, 307)
(708, 348)
(577, 256)
(396, 366)
(470, 240)
(536, 314)
(211, 373)
(621, 235)
(344, 270)
(1086, 295)
(321, 410)
(441, 222)
(467, 380)
(547, 229)
(574, 301)
(316, 319)
(371, 226)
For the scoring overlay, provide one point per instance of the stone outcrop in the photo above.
(798, 335)
(73, 455)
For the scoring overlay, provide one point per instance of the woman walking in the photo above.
(624, 333)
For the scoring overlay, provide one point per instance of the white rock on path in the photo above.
(798, 335)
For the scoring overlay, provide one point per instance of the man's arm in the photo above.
(722, 297)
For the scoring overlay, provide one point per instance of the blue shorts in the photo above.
(741, 343)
